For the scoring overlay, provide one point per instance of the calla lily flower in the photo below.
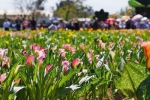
(48, 67)
(65, 63)
(17, 81)
(62, 52)
(65, 67)
(82, 47)
(30, 60)
(3, 52)
(2, 77)
(75, 63)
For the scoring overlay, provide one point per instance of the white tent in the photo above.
(84, 19)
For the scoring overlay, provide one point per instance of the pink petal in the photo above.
(2, 77)
(17, 81)
(75, 63)
(29, 60)
(48, 67)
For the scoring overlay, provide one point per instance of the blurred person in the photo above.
(76, 25)
(6, 25)
(24, 24)
(122, 24)
(113, 26)
(95, 24)
(33, 24)
(62, 24)
(133, 25)
(13, 25)
(70, 26)
(53, 27)
(42, 24)
(18, 24)
(149, 24)
(144, 24)
(103, 25)
(117, 25)
(137, 24)
(128, 24)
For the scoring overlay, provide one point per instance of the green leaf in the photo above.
(143, 91)
(148, 6)
(64, 91)
(131, 77)
(104, 82)
(134, 3)
(65, 78)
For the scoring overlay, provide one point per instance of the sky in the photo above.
(111, 6)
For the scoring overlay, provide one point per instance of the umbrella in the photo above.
(144, 19)
(137, 17)
(118, 20)
(110, 20)
(125, 18)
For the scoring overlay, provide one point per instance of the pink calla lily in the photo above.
(30, 60)
(2, 77)
(17, 81)
(75, 63)
(48, 67)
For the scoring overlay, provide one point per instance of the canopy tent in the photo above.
(118, 19)
(110, 20)
(137, 17)
(144, 19)
(125, 18)
(84, 19)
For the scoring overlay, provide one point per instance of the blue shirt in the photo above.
(6, 24)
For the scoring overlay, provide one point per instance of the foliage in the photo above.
(26, 6)
(73, 65)
(69, 9)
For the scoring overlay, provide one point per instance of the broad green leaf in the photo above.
(104, 82)
(65, 78)
(130, 79)
(143, 91)
(134, 3)
(148, 6)
(64, 91)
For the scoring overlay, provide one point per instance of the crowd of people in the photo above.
(96, 24)
(22, 24)
(19, 24)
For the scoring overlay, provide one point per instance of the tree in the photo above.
(66, 9)
(127, 11)
(29, 5)
(69, 9)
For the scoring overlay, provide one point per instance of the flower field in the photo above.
(70, 65)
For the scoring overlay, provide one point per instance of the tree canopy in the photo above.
(69, 9)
